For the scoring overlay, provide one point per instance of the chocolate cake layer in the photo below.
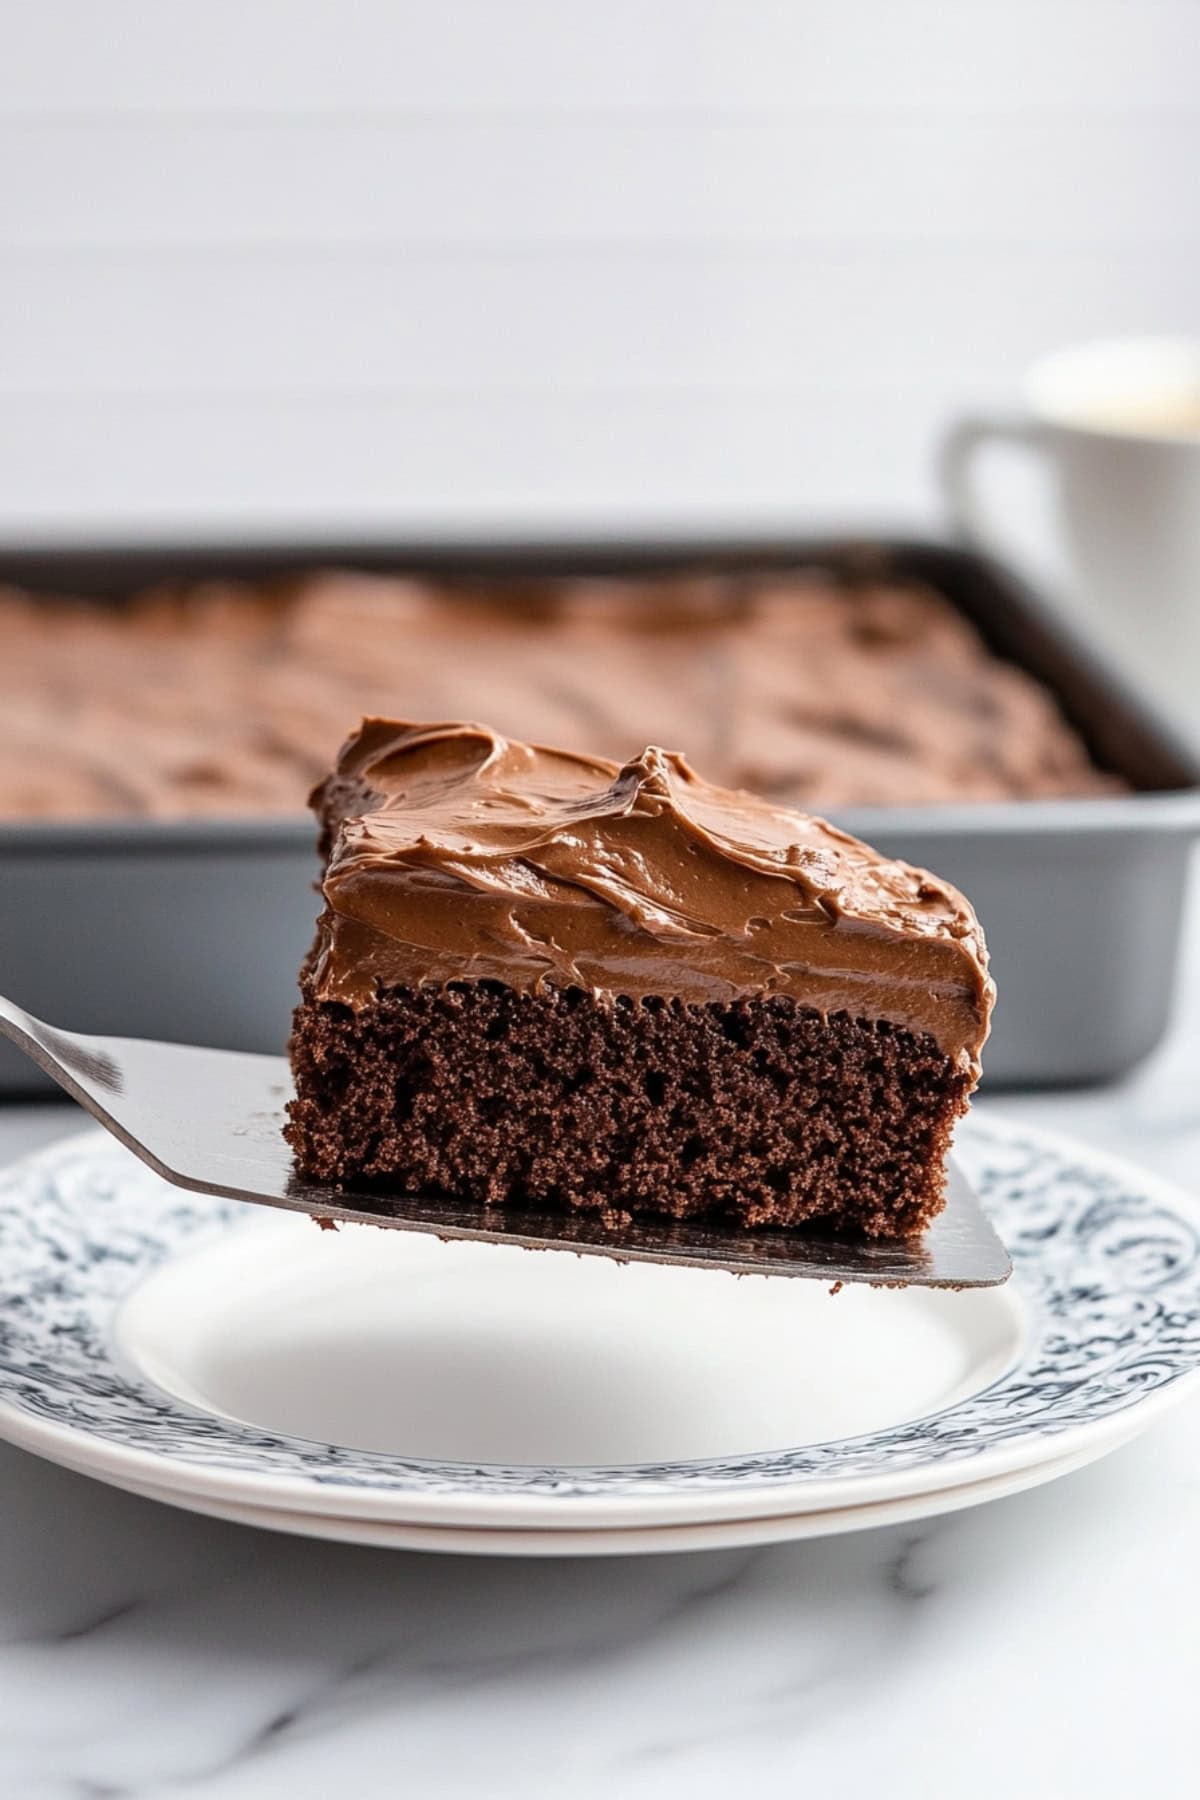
(542, 979)
(756, 1112)
(223, 697)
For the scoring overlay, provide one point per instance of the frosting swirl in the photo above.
(458, 854)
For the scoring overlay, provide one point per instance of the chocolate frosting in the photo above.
(459, 854)
(220, 698)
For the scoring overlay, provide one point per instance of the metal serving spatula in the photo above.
(211, 1120)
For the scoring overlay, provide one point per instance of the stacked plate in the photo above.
(389, 1389)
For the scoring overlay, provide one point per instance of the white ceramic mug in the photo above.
(1118, 425)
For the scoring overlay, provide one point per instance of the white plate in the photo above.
(188, 1344)
(659, 1540)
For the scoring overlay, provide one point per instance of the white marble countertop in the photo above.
(1044, 1646)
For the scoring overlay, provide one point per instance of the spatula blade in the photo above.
(211, 1121)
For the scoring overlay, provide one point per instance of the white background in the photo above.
(480, 259)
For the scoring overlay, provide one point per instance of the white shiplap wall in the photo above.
(518, 260)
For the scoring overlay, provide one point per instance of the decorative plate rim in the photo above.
(1106, 1259)
(675, 1537)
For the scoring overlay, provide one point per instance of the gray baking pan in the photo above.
(195, 930)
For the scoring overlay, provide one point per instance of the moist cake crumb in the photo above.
(759, 1113)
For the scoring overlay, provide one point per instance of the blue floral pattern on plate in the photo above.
(1108, 1265)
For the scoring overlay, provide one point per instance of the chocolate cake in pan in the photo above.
(159, 731)
(228, 699)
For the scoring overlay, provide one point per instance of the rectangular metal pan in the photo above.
(195, 930)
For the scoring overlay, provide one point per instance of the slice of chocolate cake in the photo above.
(542, 980)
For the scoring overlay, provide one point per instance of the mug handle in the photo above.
(957, 455)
